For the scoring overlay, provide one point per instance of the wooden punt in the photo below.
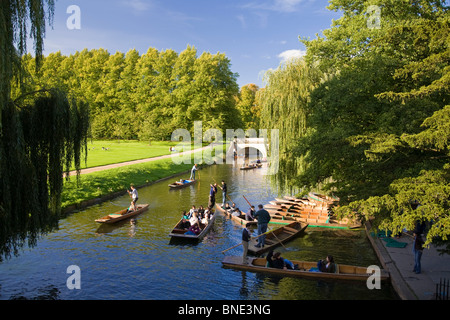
(277, 237)
(251, 166)
(300, 204)
(321, 221)
(299, 201)
(238, 219)
(294, 209)
(178, 233)
(343, 272)
(179, 185)
(123, 214)
(321, 198)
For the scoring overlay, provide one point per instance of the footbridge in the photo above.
(248, 148)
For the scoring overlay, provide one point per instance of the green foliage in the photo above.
(284, 103)
(40, 142)
(148, 96)
(42, 132)
(376, 129)
(249, 107)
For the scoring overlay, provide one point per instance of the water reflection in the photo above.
(138, 261)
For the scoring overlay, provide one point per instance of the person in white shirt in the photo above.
(194, 168)
(134, 195)
(193, 220)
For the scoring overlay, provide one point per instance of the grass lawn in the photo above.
(102, 183)
(102, 153)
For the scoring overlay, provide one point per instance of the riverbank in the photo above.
(99, 184)
(398, 260)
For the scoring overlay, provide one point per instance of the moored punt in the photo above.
(277, 237)
(300, 204)
(321, 198)
(294, 209)
(343, 272)
(295, 200)
(309, 201)
(238, 219)
(181, 184)
(251, 166)
(322, 221)
(123, 214)
(179, 233)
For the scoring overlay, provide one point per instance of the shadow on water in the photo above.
(140, 261)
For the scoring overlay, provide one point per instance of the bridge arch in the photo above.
(250, 147)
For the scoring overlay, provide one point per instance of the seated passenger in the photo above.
(201, 212)
(193, 209)
(132, 207)
(327, 265)
(207, 217)
(234, 210)
(194, 219)
(274, 260)
(194, 230)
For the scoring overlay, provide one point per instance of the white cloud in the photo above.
(287, 5)
(137, 5)
(291, 54)
(241, 19)
(275, 5)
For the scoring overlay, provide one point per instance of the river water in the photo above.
(136, 262)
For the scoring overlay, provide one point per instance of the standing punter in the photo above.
(263, 217)
(194, 168)
(224, 194)
(134, 195)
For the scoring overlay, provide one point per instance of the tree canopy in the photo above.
(145, 96)
(376, 130)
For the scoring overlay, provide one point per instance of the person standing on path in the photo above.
(263, 218)
(417, 250)
(245, 242)
(194, 168)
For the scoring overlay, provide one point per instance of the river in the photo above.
(136, 262)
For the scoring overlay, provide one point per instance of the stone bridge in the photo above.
(248, 148)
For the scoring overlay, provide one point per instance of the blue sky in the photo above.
(254, 34)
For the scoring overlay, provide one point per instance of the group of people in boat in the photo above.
(275, 260)
(195, 219)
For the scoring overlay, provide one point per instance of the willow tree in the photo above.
(41, 134)
(283, 104)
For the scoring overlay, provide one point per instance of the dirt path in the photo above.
(128, 163)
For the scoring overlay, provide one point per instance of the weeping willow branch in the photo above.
(17, 100)
(39, 143)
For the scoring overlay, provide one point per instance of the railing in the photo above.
(442, 289)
